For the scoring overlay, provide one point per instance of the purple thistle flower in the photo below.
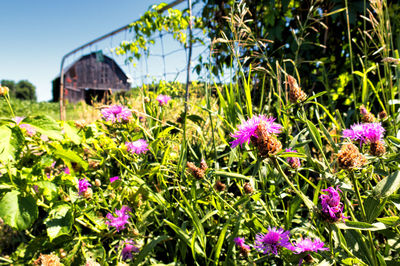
(67, 171)
(248, 129)
(115, 178)
(307, 244)
(121, 220)
(367, 132)
(116, 113)
(294, 162)
(239, 241)
(138, 147)
(129, 248)
(83, 186)
(163, 99)
(331, 204)
(272, 240)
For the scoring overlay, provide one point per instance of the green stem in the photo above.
(360, 202)
(7, 97)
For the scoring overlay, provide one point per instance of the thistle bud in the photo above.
(88, 193)
(4, 90)
(382, 115)
(296, 94)
(248, 189)
(267, 144)
(198, 173)
(97, 182)
(203, 165)
(146, 99)
(366, 116)
(219, 186)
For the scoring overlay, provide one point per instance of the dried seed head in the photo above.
(219, 186)
(97, 182)
(382, 115)
(48, 260)
(4, 90)
(196, 172)
(248, 189)
(296, 94)
(377, 148)
(244, 251)
(366, 116)
(80, 123)
(267, 144)
(203, 165)
(88, 193)
(349, 157)
(391, 60)
(92, 262)
(146, 99)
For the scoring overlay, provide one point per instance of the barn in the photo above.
(92, 76)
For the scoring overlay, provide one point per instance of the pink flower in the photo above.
(331, 204)
(163, 99)
(307, 244)
(272, 241)
(363, 133)
(138, 147)
(30, 130)
(116, 113)
(129, 248)
(83, 186)
(115, 178)
(67, 171)
(248, 129)
(121, 220)
(294, 162)
(239, 241)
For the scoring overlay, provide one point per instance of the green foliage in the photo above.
(23, 90)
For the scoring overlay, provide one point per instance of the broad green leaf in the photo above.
(45, 125)
(17, 211)
(68, 155)
(7, 147)
(373, 207)
(48, 189)
(387, 186)
(59, 221)
(71, 133)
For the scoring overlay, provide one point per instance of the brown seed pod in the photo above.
(349, 157)
(248, 189)
(219, 186)
(296, 94)
(377, 149)
(198, 173)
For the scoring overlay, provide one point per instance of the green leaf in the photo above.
(220, 241)
(17, 211)
(59, 221)
(7, 148)
(68, 155)
(373, 207)
(387, 186)
(45, 125)
(361, 226)
(48, 189)
(391, 221)
(147, 248)
(71, 133)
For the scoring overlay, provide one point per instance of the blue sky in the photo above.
(36, 34)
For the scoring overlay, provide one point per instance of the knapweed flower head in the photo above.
(138, 147)
(366, 116)
(294, 162)
(272, 241)
(307, 245)
(116, 113)
(296, 94)
(363, 133)
(66, 171)
(163, 99)
(121, 220)
(115, 178)
(243, 248)
(129, 248)
(248, 129)
(83, 186)
(331, 205)
(349, 157)
(30, 130)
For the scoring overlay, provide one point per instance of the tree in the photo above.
(25, 90)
